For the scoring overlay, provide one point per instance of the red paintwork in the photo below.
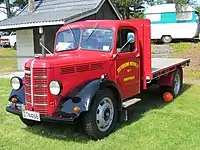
(144, 31)
(166, 80)
(66, 61)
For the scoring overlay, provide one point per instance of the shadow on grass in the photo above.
(158, 42)
(151, 100)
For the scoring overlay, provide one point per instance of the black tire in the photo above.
(89, 119)
(15, 46)
(171, 89)
(166, 39)
(30, 123)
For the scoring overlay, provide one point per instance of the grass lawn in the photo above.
(153, 125)
(191, 51)
(8, 64)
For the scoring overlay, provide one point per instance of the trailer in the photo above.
(97, 70)
(169, 24)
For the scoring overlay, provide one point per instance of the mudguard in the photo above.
(19, 94)
(82, 96)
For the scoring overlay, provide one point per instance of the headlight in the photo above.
(55, 87)
(16, 83)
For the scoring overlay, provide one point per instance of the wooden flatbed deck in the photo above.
(161, 66)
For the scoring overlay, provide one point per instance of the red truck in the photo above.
(98, 69)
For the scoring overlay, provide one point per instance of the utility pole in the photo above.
(7, 8)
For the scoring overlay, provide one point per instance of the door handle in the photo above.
(138, 55)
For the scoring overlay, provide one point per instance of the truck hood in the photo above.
(71, 58)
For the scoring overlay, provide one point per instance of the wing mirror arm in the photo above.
(120, 49)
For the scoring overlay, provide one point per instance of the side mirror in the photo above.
(131, 37)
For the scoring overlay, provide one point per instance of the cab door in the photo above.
(128, 63)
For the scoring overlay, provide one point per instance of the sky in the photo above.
(198, 1)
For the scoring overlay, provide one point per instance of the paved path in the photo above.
(19, 74)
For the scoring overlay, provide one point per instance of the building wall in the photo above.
(50, 33)
(105, 12)
(25, 46)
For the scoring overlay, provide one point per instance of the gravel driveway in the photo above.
(161, 50)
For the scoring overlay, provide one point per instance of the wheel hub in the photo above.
(104, 115)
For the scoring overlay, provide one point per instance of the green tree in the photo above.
(7, 8)
(197, 8)
(123, 6)
(20, 3)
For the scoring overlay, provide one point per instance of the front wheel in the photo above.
(101, 119)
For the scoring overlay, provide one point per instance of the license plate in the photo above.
(31, 115)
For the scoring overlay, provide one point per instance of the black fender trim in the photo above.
(81, 97)
(85, 95)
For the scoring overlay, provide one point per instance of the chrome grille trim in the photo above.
(39, 95)
(28, 94)
(27, 76)
(28, 103)
(40, 86)
(40, 104)
(40, 77)
(37, 86)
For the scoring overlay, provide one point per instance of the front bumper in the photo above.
(69, 119)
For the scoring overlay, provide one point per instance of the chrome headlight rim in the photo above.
(59, 85)
(19, 81)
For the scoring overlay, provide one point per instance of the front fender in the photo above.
(19, 94)
(82, 96)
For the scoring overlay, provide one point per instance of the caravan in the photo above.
(168, 24)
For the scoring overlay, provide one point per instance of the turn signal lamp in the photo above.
(168, 97)
(76, 109)
(14, 100)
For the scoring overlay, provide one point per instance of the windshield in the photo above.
(68, 40)
(97, 39)
(92, 39)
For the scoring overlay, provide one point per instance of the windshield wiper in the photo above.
(72, 33)
(94, 29)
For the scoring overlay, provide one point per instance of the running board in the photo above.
(130, 102)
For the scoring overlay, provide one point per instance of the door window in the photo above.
(124, 43)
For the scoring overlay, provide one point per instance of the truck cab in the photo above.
(97, 69)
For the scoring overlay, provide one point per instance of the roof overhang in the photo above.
(53, 23)
(28, 25)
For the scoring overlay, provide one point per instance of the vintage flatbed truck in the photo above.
(98, 69)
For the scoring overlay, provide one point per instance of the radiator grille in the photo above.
(39, 86)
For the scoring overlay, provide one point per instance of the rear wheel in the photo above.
(166, 39)
(30, 123)
(177, 84)
(100, 121)
(15, 46)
